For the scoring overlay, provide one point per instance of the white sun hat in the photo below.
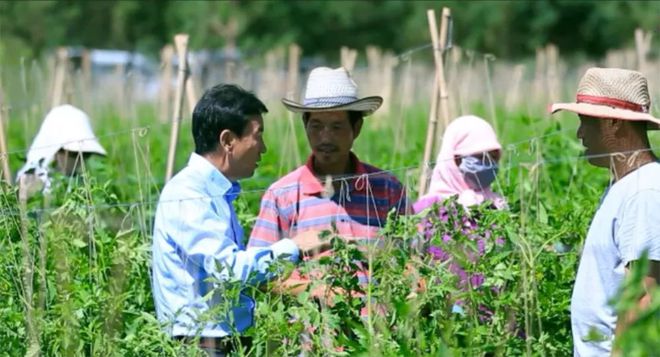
(332, 90)
(612, 93)
(65, 127)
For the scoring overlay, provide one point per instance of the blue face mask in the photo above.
(478, 173)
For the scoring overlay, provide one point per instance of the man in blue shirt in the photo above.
(197, 236)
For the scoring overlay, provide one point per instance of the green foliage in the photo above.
(504, 28)
(97, 294)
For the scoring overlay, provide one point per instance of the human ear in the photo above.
(227, 139)
(357, 128)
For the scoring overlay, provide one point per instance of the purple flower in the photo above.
(499, 240)
(481, 246)
(477, 280)
(444, 215)
(446, 238)
(437, 253)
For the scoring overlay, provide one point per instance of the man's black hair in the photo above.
(225, 106)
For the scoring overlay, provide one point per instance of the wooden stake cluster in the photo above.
(439, 100)
(59, 81)
(181, 44)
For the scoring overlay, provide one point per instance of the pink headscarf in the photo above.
(466, 135)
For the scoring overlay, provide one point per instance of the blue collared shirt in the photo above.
(196, 232)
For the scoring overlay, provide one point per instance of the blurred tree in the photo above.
(505, 28)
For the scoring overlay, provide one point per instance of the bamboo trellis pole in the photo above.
(6, 173)
(59, 81)
(348, 58)
(292, 93)
(165, 90)
(439, 90)
(643, 46)
(181, 44)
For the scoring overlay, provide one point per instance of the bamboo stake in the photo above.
(388, 63)
(489, 86)
(60, 76)
(191, 95)
(513, 97)
(120, 88)
(165, 90)
(6, 173)
(439, 89)
(642, 45)
(439, 60)
(181, 44)
(28, 272)
(43, 254)
(86, 85)
(374, 60)
(292, 93)
(552, 58)
(348, 58)
(539, 76)
(456, 108)
(404, 103)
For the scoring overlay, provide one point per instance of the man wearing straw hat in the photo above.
(66, 138)
(333, 190)
(613, 106)
(197, 236)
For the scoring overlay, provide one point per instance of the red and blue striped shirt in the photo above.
(298, 202)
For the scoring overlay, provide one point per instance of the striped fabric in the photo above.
(298, 203)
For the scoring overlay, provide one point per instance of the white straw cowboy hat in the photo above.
(331, 90)
(612, 93)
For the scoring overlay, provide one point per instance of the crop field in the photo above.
(75, 265)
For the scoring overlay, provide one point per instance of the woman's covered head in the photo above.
(468, 161)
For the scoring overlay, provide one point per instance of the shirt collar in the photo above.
(217, 184)
(311, 185)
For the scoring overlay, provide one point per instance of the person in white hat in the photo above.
(66, 138)
(613, 106)
(333, 190)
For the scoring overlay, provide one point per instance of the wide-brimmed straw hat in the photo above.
(332, 90)
(612, 93)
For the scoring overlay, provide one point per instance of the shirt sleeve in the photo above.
(201, 231)
(639, 227)
(270, 225)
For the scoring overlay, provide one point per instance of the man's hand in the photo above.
(310, 244)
